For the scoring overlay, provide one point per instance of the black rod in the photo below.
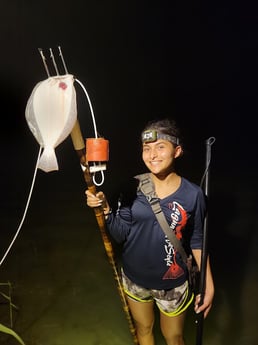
(204, 256)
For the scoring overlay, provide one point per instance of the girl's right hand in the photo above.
(96, 200)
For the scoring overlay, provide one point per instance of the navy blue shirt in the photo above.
(148, 258)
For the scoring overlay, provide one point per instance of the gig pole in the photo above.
(204, 256)
(79, 147)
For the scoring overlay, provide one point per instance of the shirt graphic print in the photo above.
(178, 222)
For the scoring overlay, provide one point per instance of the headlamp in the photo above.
(151, 135)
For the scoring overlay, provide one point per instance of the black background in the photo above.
(140, 60)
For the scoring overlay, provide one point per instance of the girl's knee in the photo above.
(144, 329)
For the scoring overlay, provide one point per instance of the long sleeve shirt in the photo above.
(148, 257)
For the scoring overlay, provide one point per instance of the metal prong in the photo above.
(53, 60)
(44, 61)
(63, 61)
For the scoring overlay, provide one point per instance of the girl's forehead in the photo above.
(157, 143)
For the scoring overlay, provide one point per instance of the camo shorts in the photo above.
(170, 302)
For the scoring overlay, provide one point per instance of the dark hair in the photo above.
(165, 126)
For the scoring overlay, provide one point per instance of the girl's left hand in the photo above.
(207, 303)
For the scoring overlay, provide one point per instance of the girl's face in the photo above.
(159, 156)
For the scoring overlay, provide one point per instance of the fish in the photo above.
(51, 113)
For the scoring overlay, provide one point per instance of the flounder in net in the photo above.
(51, 112)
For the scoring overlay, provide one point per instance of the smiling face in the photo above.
(159, 156)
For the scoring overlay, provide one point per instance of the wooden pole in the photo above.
(79, 146)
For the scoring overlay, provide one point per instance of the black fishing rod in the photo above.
(206, 181)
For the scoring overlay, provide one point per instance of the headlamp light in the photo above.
(151, 135)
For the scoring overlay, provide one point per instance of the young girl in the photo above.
(152, 269)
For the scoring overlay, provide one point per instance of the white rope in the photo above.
(90, 105)
(95, 131)
(25, 210)
(35, 174)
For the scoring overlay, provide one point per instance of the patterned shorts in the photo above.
(170, 302)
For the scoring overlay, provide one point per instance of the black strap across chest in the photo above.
(146, 186)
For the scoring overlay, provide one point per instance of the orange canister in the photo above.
(97, 150)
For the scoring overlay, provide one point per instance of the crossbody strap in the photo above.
(147, 188)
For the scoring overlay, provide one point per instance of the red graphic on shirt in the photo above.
(179, 220)
(174, 271)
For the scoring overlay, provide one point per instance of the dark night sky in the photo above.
(139, 60)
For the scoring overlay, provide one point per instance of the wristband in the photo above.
(108, 213)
